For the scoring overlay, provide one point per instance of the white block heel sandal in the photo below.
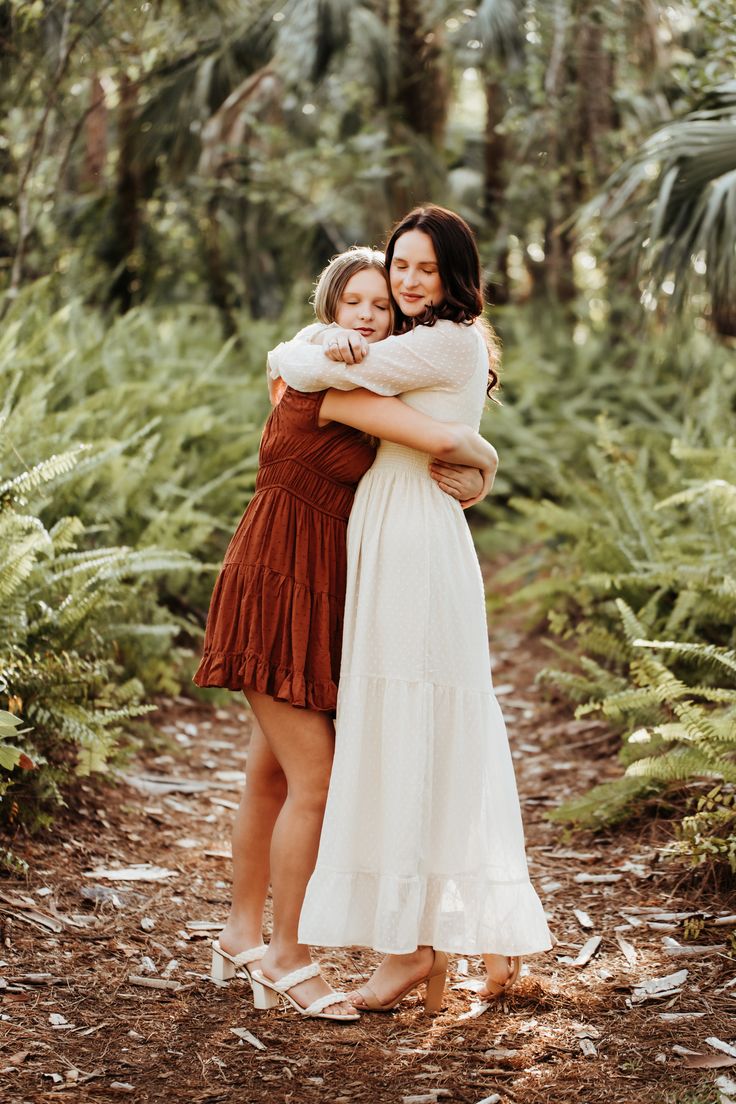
(267, 994)
(224, 965)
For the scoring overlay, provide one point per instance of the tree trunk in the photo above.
(422, 86)
(494, 187)
(593, 71)
(126, 217)
(95, 137)
(418, 101)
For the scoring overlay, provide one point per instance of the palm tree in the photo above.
(674, 202)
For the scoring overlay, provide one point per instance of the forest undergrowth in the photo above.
(129, 450)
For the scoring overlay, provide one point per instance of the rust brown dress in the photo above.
(276, 613)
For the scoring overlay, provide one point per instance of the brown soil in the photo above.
(120, 1039)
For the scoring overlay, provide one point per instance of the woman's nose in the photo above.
(410, 278)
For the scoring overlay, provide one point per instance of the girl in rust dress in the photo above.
(274, 630)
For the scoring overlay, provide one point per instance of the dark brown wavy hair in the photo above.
(459, 270)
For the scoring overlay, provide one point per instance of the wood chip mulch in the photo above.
(73, 1024)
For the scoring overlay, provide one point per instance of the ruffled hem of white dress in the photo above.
(463, 914)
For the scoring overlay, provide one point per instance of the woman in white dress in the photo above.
(422, 847)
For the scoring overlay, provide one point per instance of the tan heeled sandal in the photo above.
(434, 981)
(494, 990)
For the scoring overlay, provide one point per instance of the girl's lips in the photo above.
(365, 330)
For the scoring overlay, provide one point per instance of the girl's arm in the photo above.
(467, 485)
(392, 420)
(442, 356)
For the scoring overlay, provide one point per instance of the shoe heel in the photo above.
(222, 968)
(436, 984)
(263, 998)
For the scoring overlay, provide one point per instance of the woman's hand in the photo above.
(347, 346)
(464, 484)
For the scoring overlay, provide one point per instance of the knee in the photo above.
(266, 783)
(311, 795)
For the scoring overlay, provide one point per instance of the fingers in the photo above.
(347, 346)
(453, 492)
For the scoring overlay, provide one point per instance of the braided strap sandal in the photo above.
(267, 994)
(225, 965)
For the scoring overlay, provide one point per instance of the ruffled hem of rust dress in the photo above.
(277, 666)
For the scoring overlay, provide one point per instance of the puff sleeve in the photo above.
(441, 357)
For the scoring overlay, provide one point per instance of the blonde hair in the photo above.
(334, 278)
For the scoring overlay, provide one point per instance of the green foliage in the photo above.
(707, 836)
(127, 454)
(638, 579)
(60, 667)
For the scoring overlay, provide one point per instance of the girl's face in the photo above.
(415, 274)
(365, 305)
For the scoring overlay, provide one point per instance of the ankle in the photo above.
(413, 958)
(284, 958)
(239, 936)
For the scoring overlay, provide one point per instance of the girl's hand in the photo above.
(347, 346)
(464, 484)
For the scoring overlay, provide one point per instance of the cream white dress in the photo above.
(422, 840)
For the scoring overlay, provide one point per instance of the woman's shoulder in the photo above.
(455, 335)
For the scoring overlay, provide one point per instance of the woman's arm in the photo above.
(442, 356)
(392, 420)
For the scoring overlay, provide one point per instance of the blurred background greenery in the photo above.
(173, 175)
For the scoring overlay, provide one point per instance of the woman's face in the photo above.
(365, 305)
(415, 274)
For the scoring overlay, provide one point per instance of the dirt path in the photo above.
(73, 1024)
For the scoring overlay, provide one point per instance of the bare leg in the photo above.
(260, 805)
(303, 742)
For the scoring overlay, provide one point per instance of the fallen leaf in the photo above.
(140, 872)
(582, 918)
(583, 879)
(718, 1044)
(693, 950)
(247, 1037)
(153, 983)
(709, 1061)
(660, 984)
(585, 954)
(627, 950)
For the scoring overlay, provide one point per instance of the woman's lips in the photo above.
(411, 298)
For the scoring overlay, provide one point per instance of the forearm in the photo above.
(306, 368)
(467, 447)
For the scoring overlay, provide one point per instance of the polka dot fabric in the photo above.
(422, 841)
